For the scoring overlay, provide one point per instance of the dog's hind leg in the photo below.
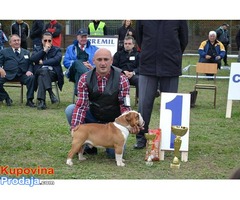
(80, 153)
(75, 149)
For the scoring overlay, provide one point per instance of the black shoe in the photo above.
(157, 93)
(139, 145)
(41, 105)
(53, 98)
(91, 151)
(30, 104)
(8, 101)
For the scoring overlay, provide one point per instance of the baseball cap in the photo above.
(82, 31)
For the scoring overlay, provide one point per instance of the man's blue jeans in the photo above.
(88, 119)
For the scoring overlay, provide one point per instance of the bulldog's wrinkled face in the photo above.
(133, 118)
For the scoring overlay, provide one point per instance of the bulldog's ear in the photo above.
(128, 117)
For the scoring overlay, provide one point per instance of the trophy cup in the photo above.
(149, 138)
(179, 131)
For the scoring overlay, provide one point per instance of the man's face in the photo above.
(47, 40)
(15, 42)
(212, 37)
(82, 39)
(224, 27)
(128, 45)
(103, 61)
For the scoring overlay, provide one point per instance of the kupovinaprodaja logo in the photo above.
(4, 180)
(19, 171)
(6, 172)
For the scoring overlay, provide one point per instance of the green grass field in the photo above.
(32, 138)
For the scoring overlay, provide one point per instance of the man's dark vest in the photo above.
(104, 106)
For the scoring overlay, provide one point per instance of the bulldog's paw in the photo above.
(69, 162)
(120, 164)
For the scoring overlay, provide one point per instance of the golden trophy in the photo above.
(149, 138)
(179, 131)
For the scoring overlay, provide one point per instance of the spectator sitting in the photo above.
(211, 50)
(47, 68)
(125, 30)
(16, 65)
(78, 58)
(128, 60)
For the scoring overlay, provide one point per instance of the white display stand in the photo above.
(233, 87)
(175, 110)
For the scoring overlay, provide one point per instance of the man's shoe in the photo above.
(139, 146)
(9, 101)
(53, 98)
(158, 93)
(30, 104)
(41, 105)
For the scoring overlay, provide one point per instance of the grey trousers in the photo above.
(148, 86)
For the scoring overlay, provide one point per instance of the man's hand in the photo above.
(2, 72)
(28, 73)
(88, 65)
(135, 130)
(207, 57)
(128, 74)
(46, 47)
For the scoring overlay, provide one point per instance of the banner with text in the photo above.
(234, 82)
(109, 42)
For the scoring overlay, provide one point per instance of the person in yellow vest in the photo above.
(97, 28)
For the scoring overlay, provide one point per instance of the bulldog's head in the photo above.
(130, 119)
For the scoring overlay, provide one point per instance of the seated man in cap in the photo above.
(78, 58)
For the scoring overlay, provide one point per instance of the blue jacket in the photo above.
(204, 46)
(71, 53)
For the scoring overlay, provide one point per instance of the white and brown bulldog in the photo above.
(110, 135)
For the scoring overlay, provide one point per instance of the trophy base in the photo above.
(174, 166)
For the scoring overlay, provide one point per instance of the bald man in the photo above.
(103, 95)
